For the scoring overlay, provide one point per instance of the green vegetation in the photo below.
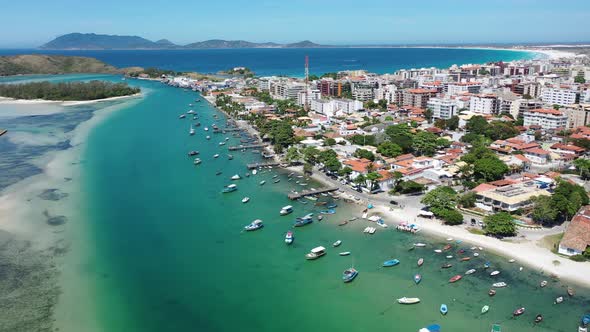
(406, 187)
(494, 130)
(389, 149)
(151, 72)
(450, 124)
(92, 90)
(442, 202)
(239, 71)
(52, 64)
(363, 140)
(366, 154)
(566, 200)
(484, 165)
(467, 200)
(580, 78)
(499, 224)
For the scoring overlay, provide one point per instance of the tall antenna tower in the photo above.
(306, 83)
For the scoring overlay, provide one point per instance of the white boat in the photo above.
(438, 251)
(262, 182)
(344, 253)
(197, 161)
(245, 199)
(191, 131)
(315, 253)
(450, 239)
(475, 254)
(236, 177)
(289, 237)
(337, 243)
(472, 271)
(372, 230)
(254, 172)
(558, 300)
(494, 273)
(408, 300)
(499, 285)
(286, 210)
(512, 260)
(208, 137)
(419, 244)
(216, 155)
(255, 225)
(206, 129)
(221, 143)
(449, 256)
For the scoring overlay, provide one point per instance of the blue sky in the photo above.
(27, 23)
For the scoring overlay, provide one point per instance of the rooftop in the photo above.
(577, 235)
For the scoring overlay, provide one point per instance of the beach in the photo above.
(4, 100)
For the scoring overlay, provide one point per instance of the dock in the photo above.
(293, 196)
(3, 131)
(263, 165)
(246, 147)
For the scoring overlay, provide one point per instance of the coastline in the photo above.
(5, 100)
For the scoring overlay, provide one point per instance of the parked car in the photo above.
(392, 202)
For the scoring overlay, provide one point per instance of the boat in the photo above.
(419, 245)
(286, 210)
(492, 292)
(499, 284)
(512, 260)
(472, 271)
(289, 237)
(449, 256)
(543, 283)
(320, 217)
(465, 259)
(198, 124)
(193, 153)
(230, 157)
(444, 309)
(408, 300)
(236, 177)
(558, 300)
(447, 247)
(391, 262)
(218, 173)
(585, 320)
(430, 328)
(485, 309)
(262, 182)
(475, 254)
(455, 278)
(311, 198)
(206, 129)
(221, 143)
(417, 278)
(420, 261)
(254, 172)
(438, 251)
(344, 253)
(494, 273)
(230, 188)
(255, 225)
(461, 251)
(245, 199)
(303, 221)
(570, 291)
(191, 130)
(337, 243)
(197, 161)
(349, 274)
(182, 116)
(518, 312)
(277, 181)
(446, 266)
(487, 265)
(316, 253)
(330, 211)
(331, 206)
(342, 223)
(216, 155)
(538, 318)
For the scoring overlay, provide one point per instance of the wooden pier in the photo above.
(257, 165)
(246, 147)
(293, 196)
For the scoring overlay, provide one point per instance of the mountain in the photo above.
(92, 41)
(52, 64)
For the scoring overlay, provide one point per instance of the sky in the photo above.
(30, 23)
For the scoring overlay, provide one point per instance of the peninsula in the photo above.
(52, 64)
(67, 91)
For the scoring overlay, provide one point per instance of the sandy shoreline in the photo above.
(5, 100)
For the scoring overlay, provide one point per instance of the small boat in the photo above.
(455, 278)
(472, 271)
(475, 254)
(230, 188)
(420, 261)
(302, 222)
(512, 260)
(230, 157)
(320, 217)
(330, 211)
(494, 273)
(492, 292)
(518, 312)
(344, 253)
(438, 251)
(182, 116)
(206, 129)
(236, 177)
(342, 223)
(585, 320)
(208, 137)
(443, 309)
(221, 143)
(255, 225)
(558, 300)
(245, 199)
(316, 253)
(419, 245)
(391, 262)
(286, 210)
(216, 155)
(262, 183)
(499, 285)
(311, 198)
(449, 256)
(430, 328)
(349, 275)
(465, 259)
(337, 243)
(198, 124)
(461, 251)
(449, 239)
(538, 318)
(408, 300)
(332, 206)
(277, 181)
(543, 283)
(254, 172)
(191, 131)
(197, 161)
(411, 248)
(571, 291)
(193, 153)
(417, 278)
(218, 173)
(446, 266)
(487, 265)
(289, 237)
(485, 309)
(447, 247)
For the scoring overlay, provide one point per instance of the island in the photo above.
(67, 91)
(30, 64)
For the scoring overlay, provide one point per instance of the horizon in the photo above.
(381, 22)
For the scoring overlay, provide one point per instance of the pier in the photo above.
(246, 147)
(293, 196)
(258, 165)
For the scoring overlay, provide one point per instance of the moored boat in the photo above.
(262, 183)
(236, 177)
(230, 188)
(485, 309)
(299, 222)
(492, 292)
(455, 278)
(245, 199)
(558, 300)
(316, 253)
(344, 253)
(471, 271)
(518, 312)
(255, 225)
(446, 266)
(349, 274)
(447, 247)
(499, 284)
(487, 265)
(538, 318)
(391, 262)
(286, 210)
(444, 309)
(417, 278)
(543, 283)
(216, 155)
(420, 261)
(337, 243)
(197, 161)
(408, 300)
(438, 251)
(419, 244)
(289, 237)
(494, 273)
(570, 291)
(193, 153)
(465, 259)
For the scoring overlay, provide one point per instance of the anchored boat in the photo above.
(316, 253)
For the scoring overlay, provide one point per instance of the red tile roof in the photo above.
(546, 111)
(577, 234)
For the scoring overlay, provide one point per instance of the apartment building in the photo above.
(521, 106)
(484, 104)
(559, 96)
(456, 88)
(417, 97)
(442, 108)
(545, 118)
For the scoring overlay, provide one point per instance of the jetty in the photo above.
(293, 196)
(246, 147)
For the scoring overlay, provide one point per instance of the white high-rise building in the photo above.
(484, 104)
(559, 96)
(546, 118)
(442, 108)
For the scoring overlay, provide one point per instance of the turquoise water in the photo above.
(168, 251)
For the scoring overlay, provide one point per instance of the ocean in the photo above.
(153, 244)
(291, 61)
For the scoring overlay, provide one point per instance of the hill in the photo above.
(52, 64)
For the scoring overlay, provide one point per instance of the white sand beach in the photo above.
(4, 100)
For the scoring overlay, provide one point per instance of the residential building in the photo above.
(521, 106)
(310, 95)
(456, 88)
(559, 96)
(578, 115)
(545, 118)
(509, 197)
(442, 108)
(417, 97)
(577, 235)
(537, 156)
(484, 104)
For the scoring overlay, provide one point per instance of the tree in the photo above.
(329, 141)
(311, 154)
(366, 154)
(293, 154)
(441, 198)
(583, 166)
(425, 143)
(330, 160)
(450, 216)
(477, 125)
(499, 224)
(489, 168)
(468, 199)
(407, 187)
(360, 180)
(500, 130)
(580, 78)
(389, 149)
(453, 123)
(363, 140)
(373, 178)
(400, 135)
(307, 168)
(345, 171)
(428, 115)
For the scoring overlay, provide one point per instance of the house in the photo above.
(509, 197)
(577, 235)
(567, 149)
(358, 166)
(537, 156)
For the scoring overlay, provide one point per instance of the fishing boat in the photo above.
(518, 312)
(216, 155)
(500, 284)
(472, 271)
(419, 245)
(245, 199)
(465, 259)
(492, 292)
(538, 318)
(206, 129)
(311, 198)
(446, 266)
(349, 274)
(230, 188)
(558, 300)
(455, 278)
(494, 273)
(286, 210)
(449, 256)
(197, 161)
(485, 309)
(337, 243)
(330, 211)
(262, 182)
(316, 253)
(571, 291)
(391, 262)
(420, 261)
(475, 254)
(417, 278)
(344, 253)
(191, 131)
(303, 221)
(408, 300)
(332, 206)
(255, 225)
(289, 237)
(221, 143)
(543, 283)
(444, 309)
(193, 153)
(236, 177)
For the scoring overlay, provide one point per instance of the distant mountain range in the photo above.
(91, 41)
